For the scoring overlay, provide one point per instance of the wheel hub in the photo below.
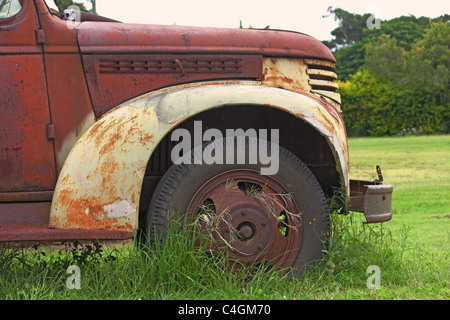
(245, 231)
(251, 216)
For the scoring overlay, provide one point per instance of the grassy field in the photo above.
(411, 251)
(419, 169)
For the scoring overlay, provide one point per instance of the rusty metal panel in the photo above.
(100, 183)
(142, 58)
(182, 65)
(18, 32)
(58, 37)
(108, 75)
(14, 214)
(29, 196)
(69, 99)
(26, 155)
(287, 73)
(42, 234)
(70, 104)
(303, 75)
(118, 38)
(322, 80)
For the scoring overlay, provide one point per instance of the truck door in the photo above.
(27, 160)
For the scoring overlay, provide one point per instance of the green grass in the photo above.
(411, 250)
(419, 169)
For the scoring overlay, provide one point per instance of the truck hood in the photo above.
(121, 38)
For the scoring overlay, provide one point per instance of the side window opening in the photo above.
(9, 8)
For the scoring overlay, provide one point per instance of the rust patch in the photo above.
(110, 144)
(87, 213)
(277, 81)
(109, 166)
(286, 73)
(147, 138)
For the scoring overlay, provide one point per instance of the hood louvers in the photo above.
(322, 79)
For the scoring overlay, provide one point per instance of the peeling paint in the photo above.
(119, 209)
(287, 73)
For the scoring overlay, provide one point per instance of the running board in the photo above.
(44, 234)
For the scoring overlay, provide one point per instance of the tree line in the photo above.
(395, 77)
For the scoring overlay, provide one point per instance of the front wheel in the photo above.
(280, 219)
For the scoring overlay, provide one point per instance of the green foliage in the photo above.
(426, 65)
(241, 26)
(349, 60)
(395, 79)
(385, 59)
(350, 28)
(352, 36)
(405, 30)
(64, 4)
(365, 104)
(375, 107)
(429, 62)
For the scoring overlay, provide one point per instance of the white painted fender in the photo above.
(99, 185)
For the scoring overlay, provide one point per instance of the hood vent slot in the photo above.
(175, 65)
(322, 79)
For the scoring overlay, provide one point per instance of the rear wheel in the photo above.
(281, 219)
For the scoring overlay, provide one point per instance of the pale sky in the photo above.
(297, 15)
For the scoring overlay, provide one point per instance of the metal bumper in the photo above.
(371, 198)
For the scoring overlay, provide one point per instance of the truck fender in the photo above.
(100, 182)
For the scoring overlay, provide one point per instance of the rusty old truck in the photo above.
(88, 111)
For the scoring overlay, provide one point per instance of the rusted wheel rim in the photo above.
(251, 216)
